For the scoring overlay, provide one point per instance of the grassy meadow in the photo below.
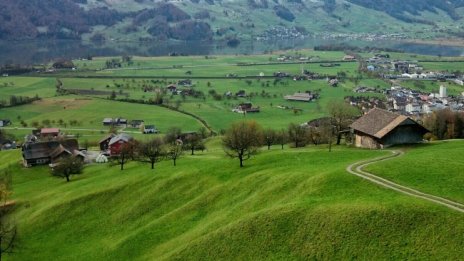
(435, 168)
(292, 204)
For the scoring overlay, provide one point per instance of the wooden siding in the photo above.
(405, 134)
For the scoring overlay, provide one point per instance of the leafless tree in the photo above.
(242, 140)
(153, 150)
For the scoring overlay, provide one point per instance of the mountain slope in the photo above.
(223, 19)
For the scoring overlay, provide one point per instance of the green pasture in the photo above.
(435, 168)
(89, 113)
(26, 86)
(287, 204)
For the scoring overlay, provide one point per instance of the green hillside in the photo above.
(295, 204)
(434, 168)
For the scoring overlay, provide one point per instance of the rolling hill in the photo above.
(227, 20)
(292, 204)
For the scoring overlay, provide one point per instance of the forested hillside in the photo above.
(222, 19)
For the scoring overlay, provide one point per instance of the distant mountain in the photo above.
(100, 20)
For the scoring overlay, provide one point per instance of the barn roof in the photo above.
(378, 122)
(49, 130)
(123, 136)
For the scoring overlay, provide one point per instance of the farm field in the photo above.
(435, 168)
(88, 114)
(284, 204)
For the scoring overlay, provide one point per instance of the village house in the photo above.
(413, 108)
(349, 58)
(5, 122)
(116, 143)
(303, 96)
(459, 81)
(246, 107)
(42, 153)
(136, 123)
(147, 129)
(49, 133)
(107, 121)
(380, 129)
(333, 82)
(172, 88)
(105, 143)
(113, 122)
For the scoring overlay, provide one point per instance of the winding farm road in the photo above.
(357, 170)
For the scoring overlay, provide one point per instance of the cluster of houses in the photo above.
(406, 101)
(182, 87)
(412, 102)
(48, 146)
(121, 122)
(406, 70)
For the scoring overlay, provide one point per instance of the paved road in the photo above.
(357, 170)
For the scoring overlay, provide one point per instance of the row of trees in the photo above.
(243, 139)
(171, 147)
(445, 124)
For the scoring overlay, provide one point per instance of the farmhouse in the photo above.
(105, 142)
(41, 153)
(246, 107)
(49, 133)
(349, 58)
(304, 97)
(5, 122)
(149, 129)
(136, 123)
(379, 129)
(107, 121)
(116, 143)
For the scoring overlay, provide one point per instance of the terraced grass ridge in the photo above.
(291, 204)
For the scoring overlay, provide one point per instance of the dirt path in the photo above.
(357, 170)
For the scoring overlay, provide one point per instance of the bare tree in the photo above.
(270, 137)
(175, 150)
(242, 140)
(297, 134)
(172, 135)
(154, 150)
(282, 138)
(128, 152)
(342, 115)
(67, 166)
(193, 142)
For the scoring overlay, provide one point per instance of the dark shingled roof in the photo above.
(378, 122)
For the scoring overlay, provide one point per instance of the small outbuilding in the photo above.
(380, 129)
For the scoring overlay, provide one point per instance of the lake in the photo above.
(42, 51)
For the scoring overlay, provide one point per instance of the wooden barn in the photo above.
(380, 129)
(115, 144)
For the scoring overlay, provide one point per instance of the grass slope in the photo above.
(435, 168)
(296, 204)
